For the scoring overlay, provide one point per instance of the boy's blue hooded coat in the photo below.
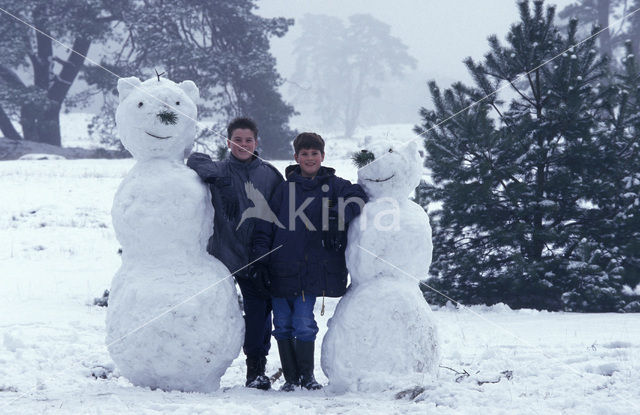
(302, 264)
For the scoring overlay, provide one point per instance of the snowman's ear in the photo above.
(126, 86)
(190, 88)
(412, 146)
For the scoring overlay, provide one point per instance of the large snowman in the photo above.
(173, 320)
(382, 334)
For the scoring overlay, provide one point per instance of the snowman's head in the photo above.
(389, 169)
(156, 118)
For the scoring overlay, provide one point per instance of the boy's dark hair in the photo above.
(308, 141)
(242, 122)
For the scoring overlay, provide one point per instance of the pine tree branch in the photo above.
(534, 90)
(495, 107)
(526, 98)
(503, 77)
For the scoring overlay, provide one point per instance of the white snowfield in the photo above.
(58, 251)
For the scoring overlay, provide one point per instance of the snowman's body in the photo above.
(173, 320)
(382, 333)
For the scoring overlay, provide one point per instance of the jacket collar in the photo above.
(249, 164)
(294, 174)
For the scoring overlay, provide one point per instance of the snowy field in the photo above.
(58, 251)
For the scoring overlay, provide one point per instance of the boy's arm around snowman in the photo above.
(207, 169)
(353, 196)
(217, 176)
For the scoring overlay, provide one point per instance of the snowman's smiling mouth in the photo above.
(157, 136)
(381, 180)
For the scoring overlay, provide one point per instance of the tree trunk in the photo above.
(7, 128)
(603, 21)
(537, 240)
(41, 122)
(70, 68)
(16, 84)
(28, 121)
(41, 119)
(48, 124)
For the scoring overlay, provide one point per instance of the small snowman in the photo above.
(382, 334)
(173, 320)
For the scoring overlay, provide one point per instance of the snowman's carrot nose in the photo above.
(167, 117)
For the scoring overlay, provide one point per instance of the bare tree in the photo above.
(338, 67)
(35, 73)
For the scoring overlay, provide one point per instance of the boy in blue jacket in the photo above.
(313, 207)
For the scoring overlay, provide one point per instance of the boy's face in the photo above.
(309, 160)
(242, 143)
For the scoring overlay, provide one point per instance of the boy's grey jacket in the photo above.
(226, 179)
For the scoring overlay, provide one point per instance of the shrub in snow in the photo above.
(102, 301)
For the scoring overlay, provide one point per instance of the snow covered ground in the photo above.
(58, 251)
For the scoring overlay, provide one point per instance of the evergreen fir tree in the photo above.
(518, 183)
(611, 257)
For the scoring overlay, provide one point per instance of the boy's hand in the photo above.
(334, 238)
(259, 276)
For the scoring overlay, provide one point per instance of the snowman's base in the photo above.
(381, 336)
(158, 341)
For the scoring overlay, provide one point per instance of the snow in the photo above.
(74, 131)
(39, 156)
(58, 251)
(631, 291)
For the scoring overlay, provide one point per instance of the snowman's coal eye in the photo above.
(140, 104)
(390, 150)
(177, 102)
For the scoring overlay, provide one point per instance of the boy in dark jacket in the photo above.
(313, 207)
(233, 181)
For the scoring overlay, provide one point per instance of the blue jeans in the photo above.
(293, 318)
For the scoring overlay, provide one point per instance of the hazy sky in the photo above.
(439, 33)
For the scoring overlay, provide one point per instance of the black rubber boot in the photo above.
(304, 355)
(255, 373)
(287, 351)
